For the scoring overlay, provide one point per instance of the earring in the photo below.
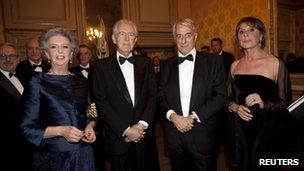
(70, 61)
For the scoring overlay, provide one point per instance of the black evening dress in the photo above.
(53, 100)
(272, 133)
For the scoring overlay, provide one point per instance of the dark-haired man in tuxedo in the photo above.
(34, 62)
(125, 90)
(16, 153)
(217, 48)
(84, 55)
(192, 92)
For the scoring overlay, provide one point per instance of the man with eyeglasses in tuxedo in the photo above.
(16, 153)
(125, 90)
(192, 92)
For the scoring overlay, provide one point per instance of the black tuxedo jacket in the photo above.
(208, 97)
(78, 69)
(16, 149)
(228, 59)
(114, 100)
(25, 70)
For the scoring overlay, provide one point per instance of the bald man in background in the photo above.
(34, 62)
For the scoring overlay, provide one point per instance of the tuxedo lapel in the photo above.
(139, 74)
(199, 77)
(9, 87)
(174, 81)
(119, 79)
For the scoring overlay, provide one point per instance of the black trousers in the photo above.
(137, 158)
(189, 154)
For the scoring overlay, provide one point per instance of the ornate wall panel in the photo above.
(299, 33)
(28, 18)
(39, 14)
(218, 18)
(154, 19)
(1, 24)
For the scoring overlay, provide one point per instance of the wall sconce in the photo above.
(93, 33)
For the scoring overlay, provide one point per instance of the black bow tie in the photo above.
(86, 69)
(122, 60)
(11, 74)
(181, 59)
(35, 66)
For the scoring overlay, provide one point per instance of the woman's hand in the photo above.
(253, 99)
(241, 110)
(89, 133)
(71, 133)
(244, 113)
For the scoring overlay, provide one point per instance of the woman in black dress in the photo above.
(55, 119)
(259, 94)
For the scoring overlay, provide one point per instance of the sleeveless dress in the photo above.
(272, 133)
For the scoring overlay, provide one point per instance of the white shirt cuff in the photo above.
(197, 118)
(144, 123)
(169, 113)
(125, 131)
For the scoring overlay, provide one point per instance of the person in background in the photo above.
(34, 62)
(156, 63)
(259, 91)
(192, 92)
(205, 49)
(125, 90)
(86, 68)
(55, 118)
(84, 55)
(217, 48)
(17, 152)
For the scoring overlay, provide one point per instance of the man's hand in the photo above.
(134, 133)
(183, 124)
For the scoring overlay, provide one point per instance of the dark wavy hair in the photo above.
(256, 23)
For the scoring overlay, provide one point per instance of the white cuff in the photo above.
(197, 118)
(144, 123)
(125, 131)
(169, 113)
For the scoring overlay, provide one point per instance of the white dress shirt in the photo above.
(185, 70)
(14, 80)
(84, 72)
(127, 70)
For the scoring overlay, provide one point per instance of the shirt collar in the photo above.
(33, 63)
(192, 52)
(5, 73)
(87, 66)
(119, 54)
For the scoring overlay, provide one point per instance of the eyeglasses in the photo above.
(124, 35)
(247, 31)
(55, 47)
(11, 57)
(185, 36)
